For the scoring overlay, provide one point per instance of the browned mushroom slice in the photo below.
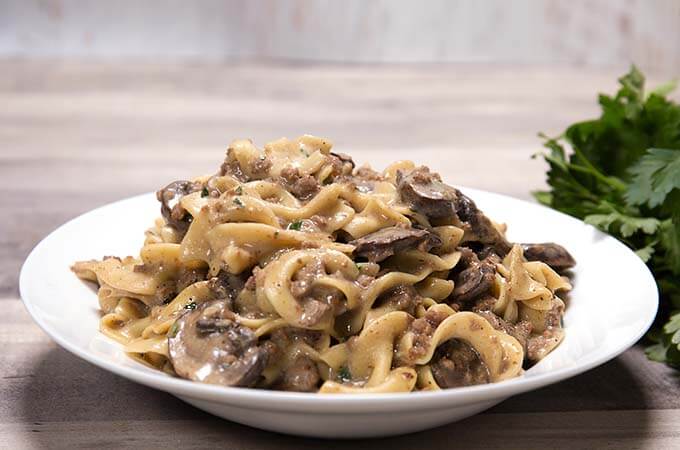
(207, 345)
(476, 280)
(478, 227)
(425, 193)
(550, 253)
(456, 363)
(344, 158)
(173, 213)
(386, 242)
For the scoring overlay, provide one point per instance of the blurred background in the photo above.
(580, 32)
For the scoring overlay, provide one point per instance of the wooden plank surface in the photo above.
(75, 136)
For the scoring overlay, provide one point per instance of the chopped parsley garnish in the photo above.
(239, 190)
(190, 305)
(238, 202)
(174, 328)
(297, 225)
(205, 192)
(344, 375)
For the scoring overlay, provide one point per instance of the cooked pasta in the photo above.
(292, 269)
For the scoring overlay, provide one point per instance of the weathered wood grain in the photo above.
(74, 136)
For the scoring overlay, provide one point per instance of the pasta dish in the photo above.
(292, 269)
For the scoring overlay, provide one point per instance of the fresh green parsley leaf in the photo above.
(621, 173)
(645, 253)
(628, 225)
(238, 202)
(205, 192)
(655, 175)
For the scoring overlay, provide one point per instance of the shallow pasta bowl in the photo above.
(613, 302)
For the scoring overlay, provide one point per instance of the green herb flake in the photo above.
(174, 328)
(238, 202)
(296, 226)
(239, 190)
(205, 192)
(190, 305)
(344, 375)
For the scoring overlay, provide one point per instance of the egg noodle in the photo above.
(293, 269)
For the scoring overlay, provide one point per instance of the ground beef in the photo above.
(304, 187)
(187, 277)
(423, 329)
(301, 376)
(520, 331)
(540, 345)
(260, 168)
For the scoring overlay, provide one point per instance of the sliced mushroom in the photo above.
(208, 345)
(550, 253)
(173, 213)
(344, 158)
(425, 193)
(478, 227)
(386, 242)
(456, 363)
(476, 280)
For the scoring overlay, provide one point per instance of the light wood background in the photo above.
(74, 136)
(584, 32)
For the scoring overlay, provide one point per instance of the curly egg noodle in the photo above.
(293, 269)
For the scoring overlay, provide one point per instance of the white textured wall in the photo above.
(599, 32)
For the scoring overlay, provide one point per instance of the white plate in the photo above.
(614, 301)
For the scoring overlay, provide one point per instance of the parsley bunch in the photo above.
(622, 175)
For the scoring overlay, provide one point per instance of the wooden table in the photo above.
(75, 136)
